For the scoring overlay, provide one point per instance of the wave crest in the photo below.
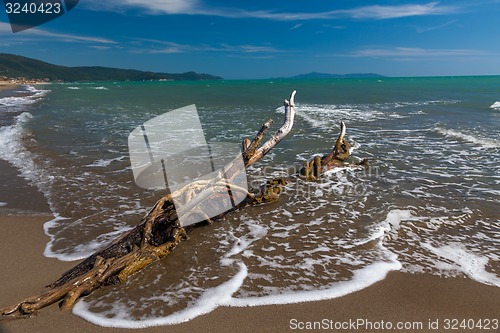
(481, 142)
(495, 106)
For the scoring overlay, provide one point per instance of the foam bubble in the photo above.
(394, 218)
(495, 106)
(242, 243)
(105, 162)
(471, 264)
(387, 229)
(314, 122)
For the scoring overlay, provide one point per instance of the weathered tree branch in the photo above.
(279, 135)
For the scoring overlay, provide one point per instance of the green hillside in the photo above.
(14, 66)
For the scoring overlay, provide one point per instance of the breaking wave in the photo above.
(485, 143)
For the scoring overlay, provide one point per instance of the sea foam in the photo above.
(118, 316)
(12, 149)
(361, 279)
(222, 295)
(28, 96)
(495, 106)
(484, 143)
(209, 301)
(458, 258)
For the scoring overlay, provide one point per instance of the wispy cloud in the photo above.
(413, 52)
(154, 7)
(5, 29)
(196, 7)
(157, 46)
(436, 27)
(391, 12)
(296, 26)
(101, 47)
(330, 26)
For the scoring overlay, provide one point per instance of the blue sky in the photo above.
(272, 38)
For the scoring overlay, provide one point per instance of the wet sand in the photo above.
(6, 85)
(421, 300)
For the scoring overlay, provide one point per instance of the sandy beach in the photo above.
(419, 300)
(14, 84)
(6, 85)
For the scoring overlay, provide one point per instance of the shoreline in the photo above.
(15, 84)
(400, 297)
(6, 86)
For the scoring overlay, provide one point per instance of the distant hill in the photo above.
(316, 75)
(14, 66)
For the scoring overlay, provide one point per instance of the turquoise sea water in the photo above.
(428, 204)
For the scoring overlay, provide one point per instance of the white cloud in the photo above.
(427, 29)
(149, 6)
(157, 46)
(391, 12)
(256, 49)
(196, 7)
(5, 29)
(415, 52)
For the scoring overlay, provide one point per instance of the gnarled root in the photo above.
(269, 192)
(102, 273)
(312, 169)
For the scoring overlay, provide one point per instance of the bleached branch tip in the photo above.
(292, 98)
(291, 102)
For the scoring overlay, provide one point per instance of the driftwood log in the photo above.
(159, 231)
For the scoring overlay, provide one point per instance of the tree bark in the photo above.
(338, 157)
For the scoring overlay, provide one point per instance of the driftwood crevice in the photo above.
(159, 231)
